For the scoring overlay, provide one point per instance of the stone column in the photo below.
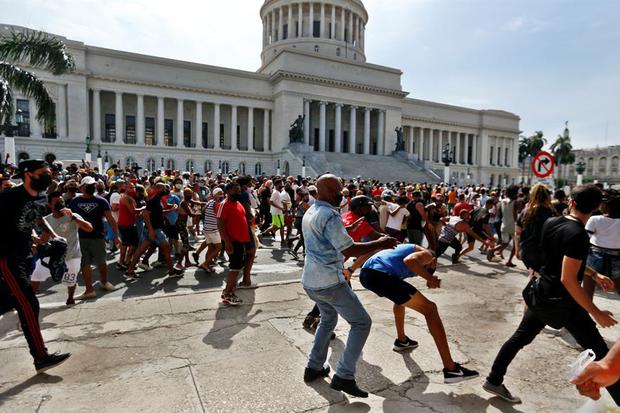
(332, 24)
(458, 148)
(281, 23)
(322, 121)
(301, 19)
(160, 121)
(233, 128)
(381, 133)
(362, 34)
(515, 152)
(342, 24)
(431, 141)
(476, 155)
(61, 112)
(421, 156)
(338, 132)
(198, 135)
(306, 122)
(350, 40)
(96, 116)
(367, 131)
(251, 128)
(410, 143)
(118, 117)
(289, 33)
(180, 119)
(273, 27)
(266, 129)
(216, 126)
(311, 20)
(352, 129)
(140, 120)
(322, 24)
(359, 32)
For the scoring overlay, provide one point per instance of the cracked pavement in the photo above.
(183, 352)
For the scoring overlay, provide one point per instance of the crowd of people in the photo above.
(394, 231)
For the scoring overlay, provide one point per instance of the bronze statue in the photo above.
(400, 141)
(88, 141)
(296, 131)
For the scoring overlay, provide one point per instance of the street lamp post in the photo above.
(303, 167)
(87, 153)
(278, 168)
(580, 167)
(447, 158)
(99, 159)
(106, 163)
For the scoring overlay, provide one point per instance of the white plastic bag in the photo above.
(603, 405)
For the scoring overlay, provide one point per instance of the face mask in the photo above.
(41, 183)
(178, 187)
(89, 189)
(338, 199)
(59, 206)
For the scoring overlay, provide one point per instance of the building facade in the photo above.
(602, 165)
(159, 112)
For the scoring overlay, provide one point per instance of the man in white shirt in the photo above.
(277, 211)
(397, 214)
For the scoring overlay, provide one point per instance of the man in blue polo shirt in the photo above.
(384, 274)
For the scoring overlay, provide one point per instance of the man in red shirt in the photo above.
(462, 205)
(234, 229)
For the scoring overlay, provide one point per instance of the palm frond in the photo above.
(30, 86)
(38, 49)
(6, 102)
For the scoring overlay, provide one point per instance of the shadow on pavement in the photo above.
(25, 385)
(230, 321)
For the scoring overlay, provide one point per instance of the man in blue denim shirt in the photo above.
(327, 245)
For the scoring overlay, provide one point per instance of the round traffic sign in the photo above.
(543, 164)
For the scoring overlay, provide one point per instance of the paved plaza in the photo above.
(169, 346)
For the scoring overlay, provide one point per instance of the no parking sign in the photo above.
(543, 165)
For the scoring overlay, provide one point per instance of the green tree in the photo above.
(537, 142)
(36, 50)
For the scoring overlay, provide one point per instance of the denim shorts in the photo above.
(604, 263)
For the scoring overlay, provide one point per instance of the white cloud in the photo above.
(524, 24)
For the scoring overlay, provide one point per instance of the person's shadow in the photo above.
(230, 321)
(10, 392)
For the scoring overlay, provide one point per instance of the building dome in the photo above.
(334, 28)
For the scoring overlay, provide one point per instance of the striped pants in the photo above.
(16, 293)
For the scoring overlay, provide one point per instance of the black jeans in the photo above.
(442, 246)
(576, 320)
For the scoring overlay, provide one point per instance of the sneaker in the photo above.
(108, 286)
(120, 267)
(231, 299)
(501, 391)
(458, 375)
(159, 264)
(408, 344)
(175, 273)
(50, 361)
(131, 275)
(293, 254)
(348, 386)
(311, 375)
(455, 258)
(145, 266)
(86, 295)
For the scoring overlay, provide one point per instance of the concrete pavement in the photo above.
(178, 350)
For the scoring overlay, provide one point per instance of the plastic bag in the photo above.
(603, 405)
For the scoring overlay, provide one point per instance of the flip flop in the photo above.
(247, 287)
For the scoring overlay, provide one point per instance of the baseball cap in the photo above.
(217, 191)
(28, 165)
(88, 180)
(360, 201)
(387, 194)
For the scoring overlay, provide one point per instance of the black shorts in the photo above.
(239, 256)
(171, 231)
(481, 234)
(129, 235)
(389, 286)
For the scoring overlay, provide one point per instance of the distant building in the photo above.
(602, 164)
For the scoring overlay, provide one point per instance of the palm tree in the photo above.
(562, 150)
(524, 152)
(37, 50)
(537, 142)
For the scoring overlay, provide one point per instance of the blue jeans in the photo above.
(333, 301)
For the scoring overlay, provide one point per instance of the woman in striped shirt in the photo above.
(211, 232)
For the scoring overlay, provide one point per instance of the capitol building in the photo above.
(163, 113)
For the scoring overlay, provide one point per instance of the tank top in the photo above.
(125, 217)
(449, 232)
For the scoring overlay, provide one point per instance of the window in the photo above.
(491, 152)
(225, 168)
(110, 128)
(222, 135)
(287, 170)
(316, 28)
(168, 134)
(338, 51)
(170, 164)
(130, 129)
(258, 169)
(506, 163)
(130, 162)
(50, 158)
(297, 29)
(205, 135)
(23, 156)
(590, 167)
(238, 137)
(189, 165)
(207, 166)
(285, 32)
(499, 156)
(241, 168)
(22, 117)
(187, 133)
(346, 34)
(614, 165)
(149, 131)
(150, 164)
(602, 166)
(354, 56)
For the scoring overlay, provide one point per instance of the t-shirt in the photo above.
(68, 229)
(235, 222)
(604, 232)
(285, 198)
(155, 208)
(562, 237)
(452, 197)
(396, 221)
(172, 217)
(479, 218)
(19, 214)
(391, 261)
(529, 241)
(115, 199)
(462, 206)
(276, 199)
(93, 210)
(210, 216)
(363, 230)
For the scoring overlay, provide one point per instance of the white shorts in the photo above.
(212, 238)
(41, 273)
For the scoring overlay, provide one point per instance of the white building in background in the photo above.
(602, 165)
(151, 110)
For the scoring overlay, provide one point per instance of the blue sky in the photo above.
(547, 61)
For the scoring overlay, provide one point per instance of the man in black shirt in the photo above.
(556, 298)
(417, 214)
(22, 208)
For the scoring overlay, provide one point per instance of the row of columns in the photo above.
(339, 127)
(140, 122)
(274, 21)
(418, 136)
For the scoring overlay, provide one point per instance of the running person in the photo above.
(21, 208)
(384, 274)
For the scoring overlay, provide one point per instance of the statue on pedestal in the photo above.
(296, 131)
(88, 142)
(400, 141)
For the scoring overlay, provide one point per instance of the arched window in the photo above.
(23, 156)
(150, 164)
(590, 167)
(170, 164)
(208, 166)
(189, 165)
(130, 161)
(602, 166)
(287, 171)
(242, 168)
(225, 168)
(615, 161)
(258, 169)
(50, 158)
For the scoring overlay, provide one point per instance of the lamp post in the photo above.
(106, 163)
(303, 167)
(447, 157)
(219, 167)
(580, 167)
(278, 168)
(99, 159)
(87, 153)
(161, 168)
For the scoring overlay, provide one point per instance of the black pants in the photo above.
(442, 246)
(576, 320)
(16, 293)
